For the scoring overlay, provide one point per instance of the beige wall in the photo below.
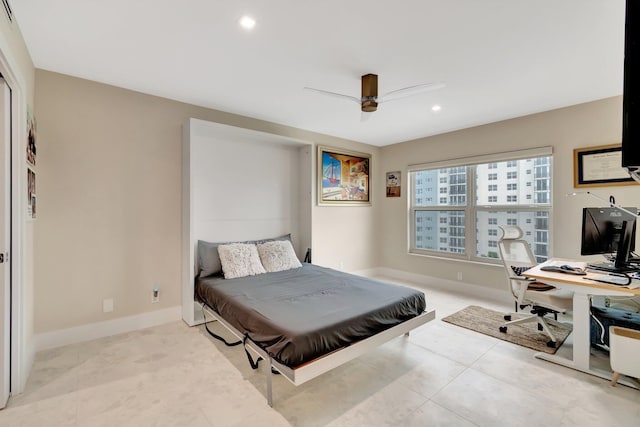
(13, 46)
(109, 197)
(594, 123)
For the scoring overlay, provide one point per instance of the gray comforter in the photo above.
(298, 315)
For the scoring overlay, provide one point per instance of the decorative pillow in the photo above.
(209, 260)
(278, 255)
(240, 260)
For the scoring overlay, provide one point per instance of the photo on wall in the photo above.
(31, 137)
(393, 184)
(31, 194)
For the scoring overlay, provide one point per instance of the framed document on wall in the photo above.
(599, 166)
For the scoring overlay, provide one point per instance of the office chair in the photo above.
(542, 298)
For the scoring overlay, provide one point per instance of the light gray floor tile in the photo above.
(491, 402)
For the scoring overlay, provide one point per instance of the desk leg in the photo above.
(581, 337)
(581, 332)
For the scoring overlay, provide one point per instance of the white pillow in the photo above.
(240, 260)
(278, 255)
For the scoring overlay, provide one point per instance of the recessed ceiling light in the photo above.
(436, 108)
(247, 22)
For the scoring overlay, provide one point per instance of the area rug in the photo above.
(488, 322)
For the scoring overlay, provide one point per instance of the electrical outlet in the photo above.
(460, 275)
(107, 305)
(155, 294)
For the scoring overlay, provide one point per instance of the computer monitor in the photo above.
(606, 231)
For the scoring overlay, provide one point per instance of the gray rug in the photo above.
(488, 322)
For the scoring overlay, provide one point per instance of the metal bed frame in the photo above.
(310, 370)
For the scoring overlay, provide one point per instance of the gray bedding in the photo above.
(298, 315)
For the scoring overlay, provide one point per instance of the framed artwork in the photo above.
(31, 194)
(599, 166)
(393, 184)
(343, 177)
(31, 138)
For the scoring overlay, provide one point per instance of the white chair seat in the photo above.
(558, 299)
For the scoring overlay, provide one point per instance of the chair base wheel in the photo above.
(540, 328)
(507, 317)
(551, 344)
(503, 329)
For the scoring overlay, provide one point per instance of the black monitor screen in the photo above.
(601, 230)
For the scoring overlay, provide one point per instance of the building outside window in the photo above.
(469, 217)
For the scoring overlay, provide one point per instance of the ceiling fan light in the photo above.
(369, 106)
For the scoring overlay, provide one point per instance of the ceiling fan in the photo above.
(369, 100)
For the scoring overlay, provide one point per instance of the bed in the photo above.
(308, 320)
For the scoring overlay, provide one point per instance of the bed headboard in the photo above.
(240, 184)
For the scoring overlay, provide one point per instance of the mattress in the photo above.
(301, 314)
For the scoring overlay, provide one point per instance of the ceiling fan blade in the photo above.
(409, 91)
(334, 94)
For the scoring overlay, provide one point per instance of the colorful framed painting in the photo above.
(343, 177)
(599, 166)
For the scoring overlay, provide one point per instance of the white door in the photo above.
(5, 241)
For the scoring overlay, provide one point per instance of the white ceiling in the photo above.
(499, 58)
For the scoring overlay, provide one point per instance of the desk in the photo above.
(582, 291)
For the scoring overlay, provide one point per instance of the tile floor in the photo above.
(441, 375)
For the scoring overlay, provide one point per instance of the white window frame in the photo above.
(471, 209)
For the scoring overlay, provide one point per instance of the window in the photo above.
(468, 217)
(444, 190)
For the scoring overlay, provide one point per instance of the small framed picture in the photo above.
(393, 184)
(31, 138)
(31, 194)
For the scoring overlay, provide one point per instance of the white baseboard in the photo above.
(107, 328)
(467, 289)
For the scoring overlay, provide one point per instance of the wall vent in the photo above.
(7, 8)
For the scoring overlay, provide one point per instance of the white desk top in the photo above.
(582, 281)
